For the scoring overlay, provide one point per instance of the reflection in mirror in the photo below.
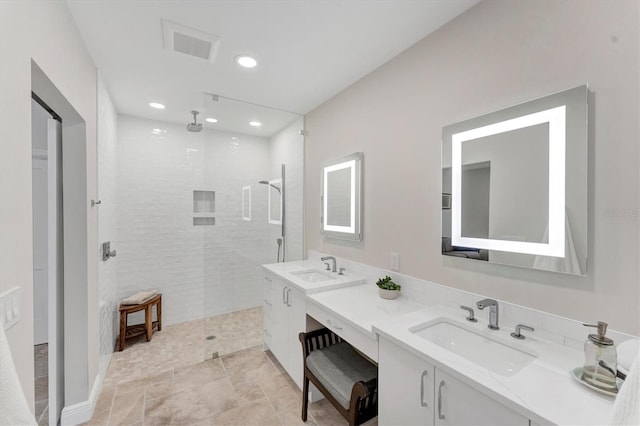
(275, 201)
(341, 197)
(517, 179)
(339, 200)
(246, 203)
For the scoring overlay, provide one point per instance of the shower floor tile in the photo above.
(173, 379)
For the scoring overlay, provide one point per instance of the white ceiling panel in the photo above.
(307, 50)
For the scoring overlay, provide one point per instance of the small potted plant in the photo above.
(388, 289)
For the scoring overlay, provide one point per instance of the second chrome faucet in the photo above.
(332, 259)
(493, 312)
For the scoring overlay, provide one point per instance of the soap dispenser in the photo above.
(600, 359)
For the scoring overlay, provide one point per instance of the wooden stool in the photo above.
(128, 331)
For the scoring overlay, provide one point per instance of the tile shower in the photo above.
(179, 215)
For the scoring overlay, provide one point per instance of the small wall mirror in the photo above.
(514, 185)
(341, 197)
(246, 203)
(275, 201)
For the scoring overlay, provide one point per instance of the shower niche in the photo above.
(204, 207)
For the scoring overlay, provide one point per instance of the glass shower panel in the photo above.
(242, 238)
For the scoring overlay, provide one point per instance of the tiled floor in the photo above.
(173, 380)
(185, 344)
(41, 374)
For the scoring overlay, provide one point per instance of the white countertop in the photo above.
(543, 391)
(285, 269)
(361, 306)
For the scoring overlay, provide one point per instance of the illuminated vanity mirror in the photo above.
(341, 197)
(514, 185)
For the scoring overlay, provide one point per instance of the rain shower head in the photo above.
(264, 182)
(195, 126)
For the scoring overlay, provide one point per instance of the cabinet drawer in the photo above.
(268, 283)
(267, 307)
(266, 336)
(365, 342)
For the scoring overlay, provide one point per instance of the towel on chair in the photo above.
(139, 297)
(13, 405)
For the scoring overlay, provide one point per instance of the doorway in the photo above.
(46, 140)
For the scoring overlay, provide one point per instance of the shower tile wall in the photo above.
(287, 146)
(234, 248)
(107, 223)
(201, 270)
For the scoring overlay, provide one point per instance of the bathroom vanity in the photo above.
(285, 288)
(434, 367)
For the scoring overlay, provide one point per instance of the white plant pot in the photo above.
(389, 294)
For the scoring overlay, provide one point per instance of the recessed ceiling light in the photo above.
(211, 120)
(255, 123)
(156, 105)
(246, 61)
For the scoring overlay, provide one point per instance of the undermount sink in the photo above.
(482, 350)
(313, 275)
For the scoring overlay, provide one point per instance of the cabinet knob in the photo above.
(334, 325)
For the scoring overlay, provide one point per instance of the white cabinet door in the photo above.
(405, 387)
(285, 318)
(459, 404)
(279, 322)
(297, 323)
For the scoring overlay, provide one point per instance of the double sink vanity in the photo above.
(434, 366)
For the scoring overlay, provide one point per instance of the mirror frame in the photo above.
(354, 230)
(566, 113)
(278, 183)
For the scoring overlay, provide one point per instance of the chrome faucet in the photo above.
(332, 259)
(493, 312)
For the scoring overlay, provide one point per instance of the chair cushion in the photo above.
(338, 367)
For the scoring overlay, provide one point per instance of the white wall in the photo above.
(42, 31)
(107, 223)
(497, 54)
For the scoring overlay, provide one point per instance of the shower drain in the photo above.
(211, 337)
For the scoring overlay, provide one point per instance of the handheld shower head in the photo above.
(195, 126)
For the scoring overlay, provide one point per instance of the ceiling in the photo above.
(307, 52)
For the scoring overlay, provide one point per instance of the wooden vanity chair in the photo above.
(347, 379)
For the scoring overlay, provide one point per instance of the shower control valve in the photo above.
(107, 253)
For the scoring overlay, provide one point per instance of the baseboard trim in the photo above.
(82, 411)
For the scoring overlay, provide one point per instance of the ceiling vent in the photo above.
(188, 41)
